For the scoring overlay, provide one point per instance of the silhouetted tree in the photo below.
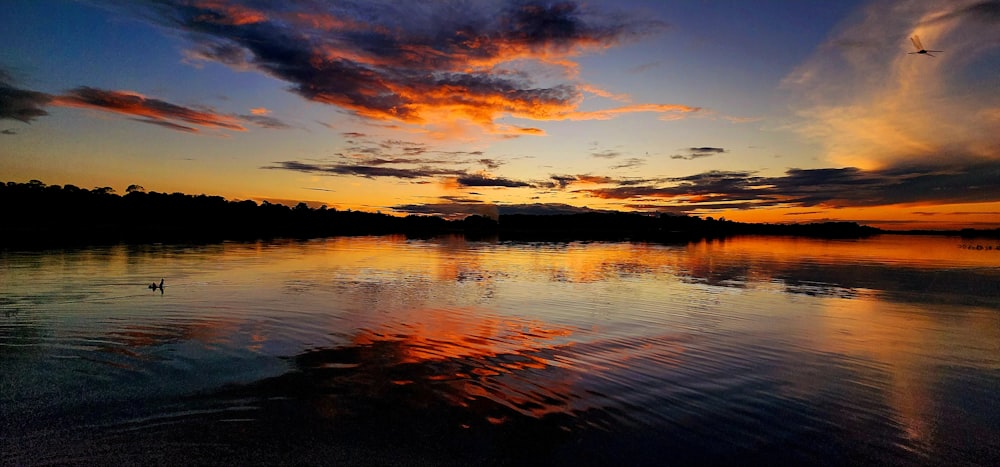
(35, 213)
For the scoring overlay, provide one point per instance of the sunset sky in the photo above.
(757, 111)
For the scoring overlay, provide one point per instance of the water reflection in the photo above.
(385, 350)
(918, 348)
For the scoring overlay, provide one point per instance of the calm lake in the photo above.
(384, 350)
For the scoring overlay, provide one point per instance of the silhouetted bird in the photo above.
(153, 286)
(920, 47)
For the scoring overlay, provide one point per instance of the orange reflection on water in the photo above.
(447, 334)
(897, 250)
(453, 258)
(487, 358)
(908, 341)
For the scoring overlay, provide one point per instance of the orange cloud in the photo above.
(421, 63)
(223, 12)
(671, 110)
(604, 93)
(153, 111)
(595, 179)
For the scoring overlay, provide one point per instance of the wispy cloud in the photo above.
(564, 181)
(26, 105)
(265, 121)
(873, 105)
(983, 11)
(629, 163)
(146, 109)
(484, 180)
(407, 160)
(367, 171)
(362, 149)
(668, 111)
(417, 62)
(606, 154)
(261, 116)
(462, 209)
(19, 104)
(828, 188)
(446, 210)
(697, 153)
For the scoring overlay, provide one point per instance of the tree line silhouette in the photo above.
(34, 213)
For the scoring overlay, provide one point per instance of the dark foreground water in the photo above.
(392, 351)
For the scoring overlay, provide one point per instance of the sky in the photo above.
(764, 111)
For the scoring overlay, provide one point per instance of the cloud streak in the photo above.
(265, 121)
(23, 105)
(698, 153)
(148, 110)
(367, 171)
(27, 105)
(405, 160)
(465, 208)
(484, 180)
(827, 188)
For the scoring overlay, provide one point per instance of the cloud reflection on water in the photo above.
(785, 349)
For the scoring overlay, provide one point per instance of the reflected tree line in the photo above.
(34, 213)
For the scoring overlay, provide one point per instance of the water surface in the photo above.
(444, 351)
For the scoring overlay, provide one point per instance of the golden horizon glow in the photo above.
(407, 108)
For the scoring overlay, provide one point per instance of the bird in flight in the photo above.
(920, 47)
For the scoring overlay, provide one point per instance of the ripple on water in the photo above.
(742, 351)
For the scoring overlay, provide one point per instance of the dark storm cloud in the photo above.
(697, 153)
(830, 188)
(482, 180)
(406, 60)
(21, 104)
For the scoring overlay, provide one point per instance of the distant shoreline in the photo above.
(40, 216)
